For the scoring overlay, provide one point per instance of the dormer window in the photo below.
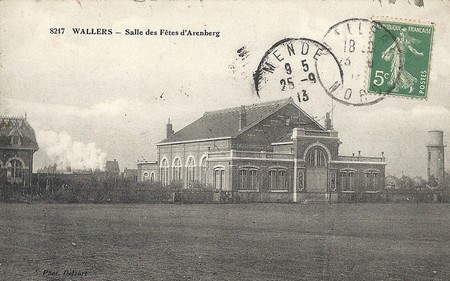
(15, 140)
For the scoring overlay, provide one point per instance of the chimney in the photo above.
(328, 124)
(169, 129)
(242, 118)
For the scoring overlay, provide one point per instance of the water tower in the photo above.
(435, 148)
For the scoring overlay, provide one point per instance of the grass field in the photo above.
(226, 242)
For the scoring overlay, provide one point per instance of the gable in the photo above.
(274, 126)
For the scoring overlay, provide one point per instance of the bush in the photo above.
(197, 193)
(67, 195)
(202, 187)
(99, 188)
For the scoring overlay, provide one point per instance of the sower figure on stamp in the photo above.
(400, 78)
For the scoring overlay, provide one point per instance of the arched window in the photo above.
(190, 171)
(203, 168)
(316, 157)
(145, 177)
(164, 168)
(15, 169)
(177, 169)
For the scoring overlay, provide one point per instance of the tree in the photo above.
(432, 182)
(447, 180)
(405, 182)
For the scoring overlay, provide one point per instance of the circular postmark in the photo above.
(298, 67)
(351, 41)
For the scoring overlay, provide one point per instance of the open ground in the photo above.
(225, 242)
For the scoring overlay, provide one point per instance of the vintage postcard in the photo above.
(224, 140)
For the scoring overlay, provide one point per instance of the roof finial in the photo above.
(25, 115)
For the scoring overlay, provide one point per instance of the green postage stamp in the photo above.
(400, 62)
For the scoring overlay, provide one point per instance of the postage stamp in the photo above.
(400, 63)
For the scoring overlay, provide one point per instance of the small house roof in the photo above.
(17, 126)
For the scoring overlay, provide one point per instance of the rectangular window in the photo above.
(367, 180)
(253, 179)
(277, 180)
(300, 181)
(177, 173)
(281, 180)
(219, 176)
(351, 181)
(217, 179)
(272, 179)
(243, 180)
(343, 181)
(18, 173)
(333, 181)
(191, 175)
(311, 159)
(203, 175)
(248, 179)
(165, 175)
(371, 181)
(15, 139)
(375, 181)
(347, 181)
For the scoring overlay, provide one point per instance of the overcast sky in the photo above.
(113, 94)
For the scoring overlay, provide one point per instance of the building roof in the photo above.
(225, 122)
(127, 173)
(112, 166)
(17, 126)
(419, 181)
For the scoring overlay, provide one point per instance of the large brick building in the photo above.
(17, 146)
(265, 152)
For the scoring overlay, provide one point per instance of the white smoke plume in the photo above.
(66, 153)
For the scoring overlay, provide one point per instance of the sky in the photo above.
(104, 97)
